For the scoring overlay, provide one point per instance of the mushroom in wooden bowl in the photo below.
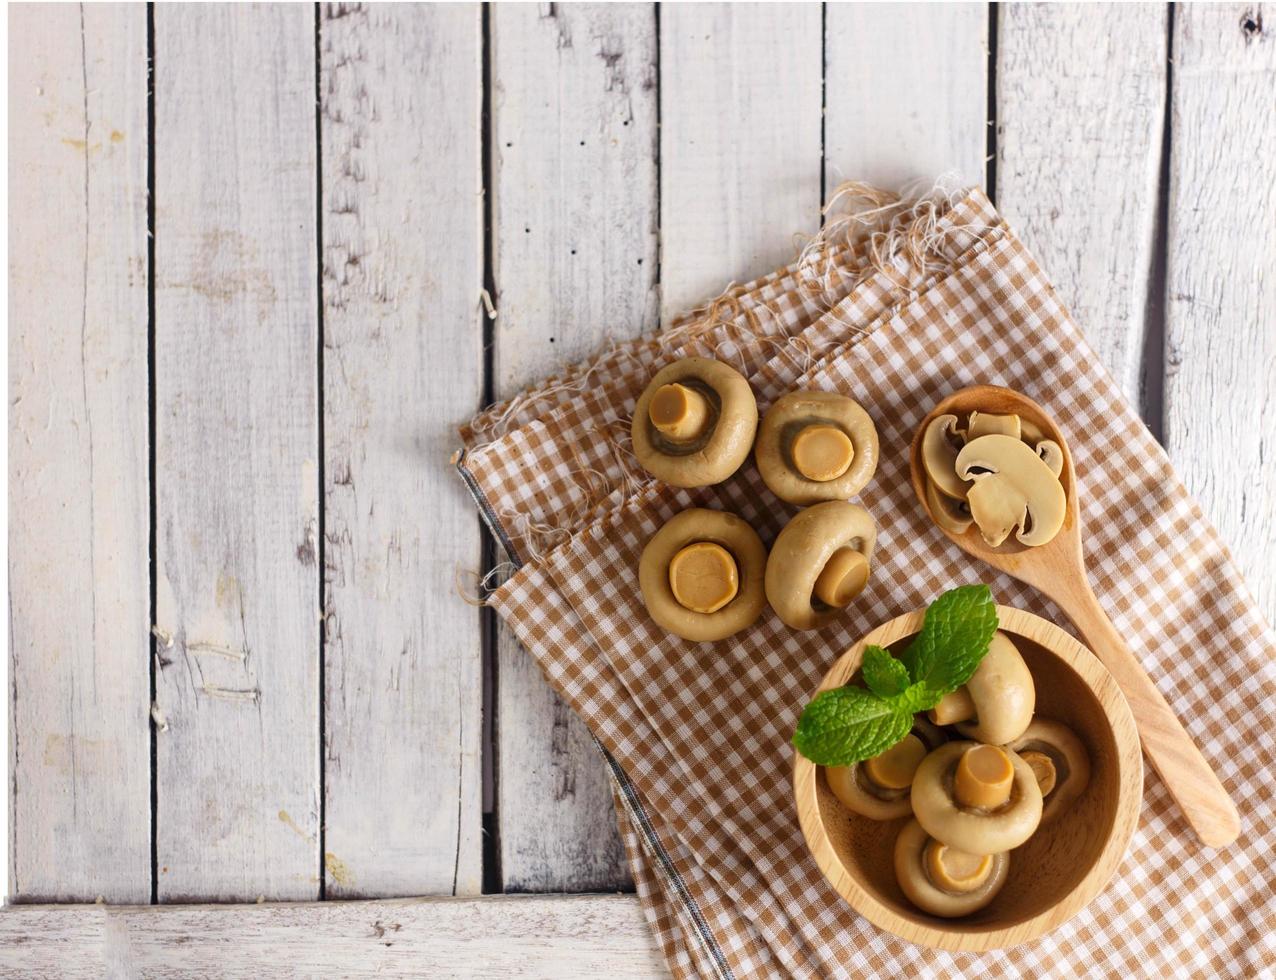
(1037, 883)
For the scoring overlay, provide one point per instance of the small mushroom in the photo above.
(1051, 454)
(977, 798)
(949, 513)
(942, 880)
(1060, 762)
(878, 788)
(820, 562)
(1013, 488)
(996, 704)
(940, 445)
(694, 424)
(816, 445)
(984, 424)
(701, 575)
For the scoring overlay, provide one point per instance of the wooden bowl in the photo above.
(1060, 868)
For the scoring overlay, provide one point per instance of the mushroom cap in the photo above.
(1013, 487)
(803, 548)
(971, 830)
(716, 527)
(1071, 763)
(916, 883)
(848, 785)
(1003, 692)
(939, 457)
(717, 453)
(787, 417)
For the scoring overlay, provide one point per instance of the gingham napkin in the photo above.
(697, 734)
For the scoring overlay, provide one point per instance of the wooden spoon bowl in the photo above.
(1060, 869)
(1057, 569)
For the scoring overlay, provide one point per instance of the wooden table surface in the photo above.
(247, 312)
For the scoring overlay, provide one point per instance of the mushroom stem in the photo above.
(822, 452)
(952, 708)
(956, 871)
(983, 779)
(1043, 768)
(680, 413)
(703, 577)
(843, 578)
(894, 768)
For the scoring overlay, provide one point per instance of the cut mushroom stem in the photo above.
(984, 777)
(953, 707)
(1042, 767)
(984, 424)
(822, 452)
(954, 871)
(842, 579)
(704, 577)
(894, 768)
(679, 413)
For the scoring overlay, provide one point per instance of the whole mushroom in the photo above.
(1059, 761)
(701, 575)
(878, 788)
(942, 880)
(1013, 488)
(816, 445)
(819, 562)
(695, 422)
(996, 704)
(977, 798)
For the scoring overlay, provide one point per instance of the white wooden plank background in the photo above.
(237, 452)
(79, 497)
(403, 366)
(1220, 346)
(526, 936)
(575, 229)
(1160, 243)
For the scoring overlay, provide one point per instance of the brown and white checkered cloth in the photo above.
(697, 735)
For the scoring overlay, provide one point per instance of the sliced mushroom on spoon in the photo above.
(1013, 489)
(987, 424)
(1060, 762)
(942, 880)
(996, 704)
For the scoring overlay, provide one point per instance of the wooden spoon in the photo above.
(1058, 570)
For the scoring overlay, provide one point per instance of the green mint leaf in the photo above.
(954, 637)
(913, 699)
(884, 675)
(849, 724)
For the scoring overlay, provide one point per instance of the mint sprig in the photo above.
(850, 724)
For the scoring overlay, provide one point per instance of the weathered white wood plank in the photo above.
(550, 938)
(403, 365)
(574, 144)
(1080, 117)
(79, 499)
(237, 451)
(740, 142)
(1220, 353)
(906, 92)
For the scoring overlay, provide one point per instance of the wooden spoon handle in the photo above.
(1166, 744)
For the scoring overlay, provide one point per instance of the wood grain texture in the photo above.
(550, 938)
(1220, 345)
(1061, 868)
(79, 497)
(1057, 570)
(931, 117)
(740, 160)
(574, 143)
(1080, 118)
(236, 452)
(403, 365)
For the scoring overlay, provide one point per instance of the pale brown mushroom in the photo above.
(878, 788)
(996, 704)
(1060, 762)
(985, 424)
(943, 880)
(949, 513)
(819, 562)
(1013, 488)
(701, 575)
(694, 424)
(816, 445)
(940, 445)
(1051, 454)
(962, 797)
